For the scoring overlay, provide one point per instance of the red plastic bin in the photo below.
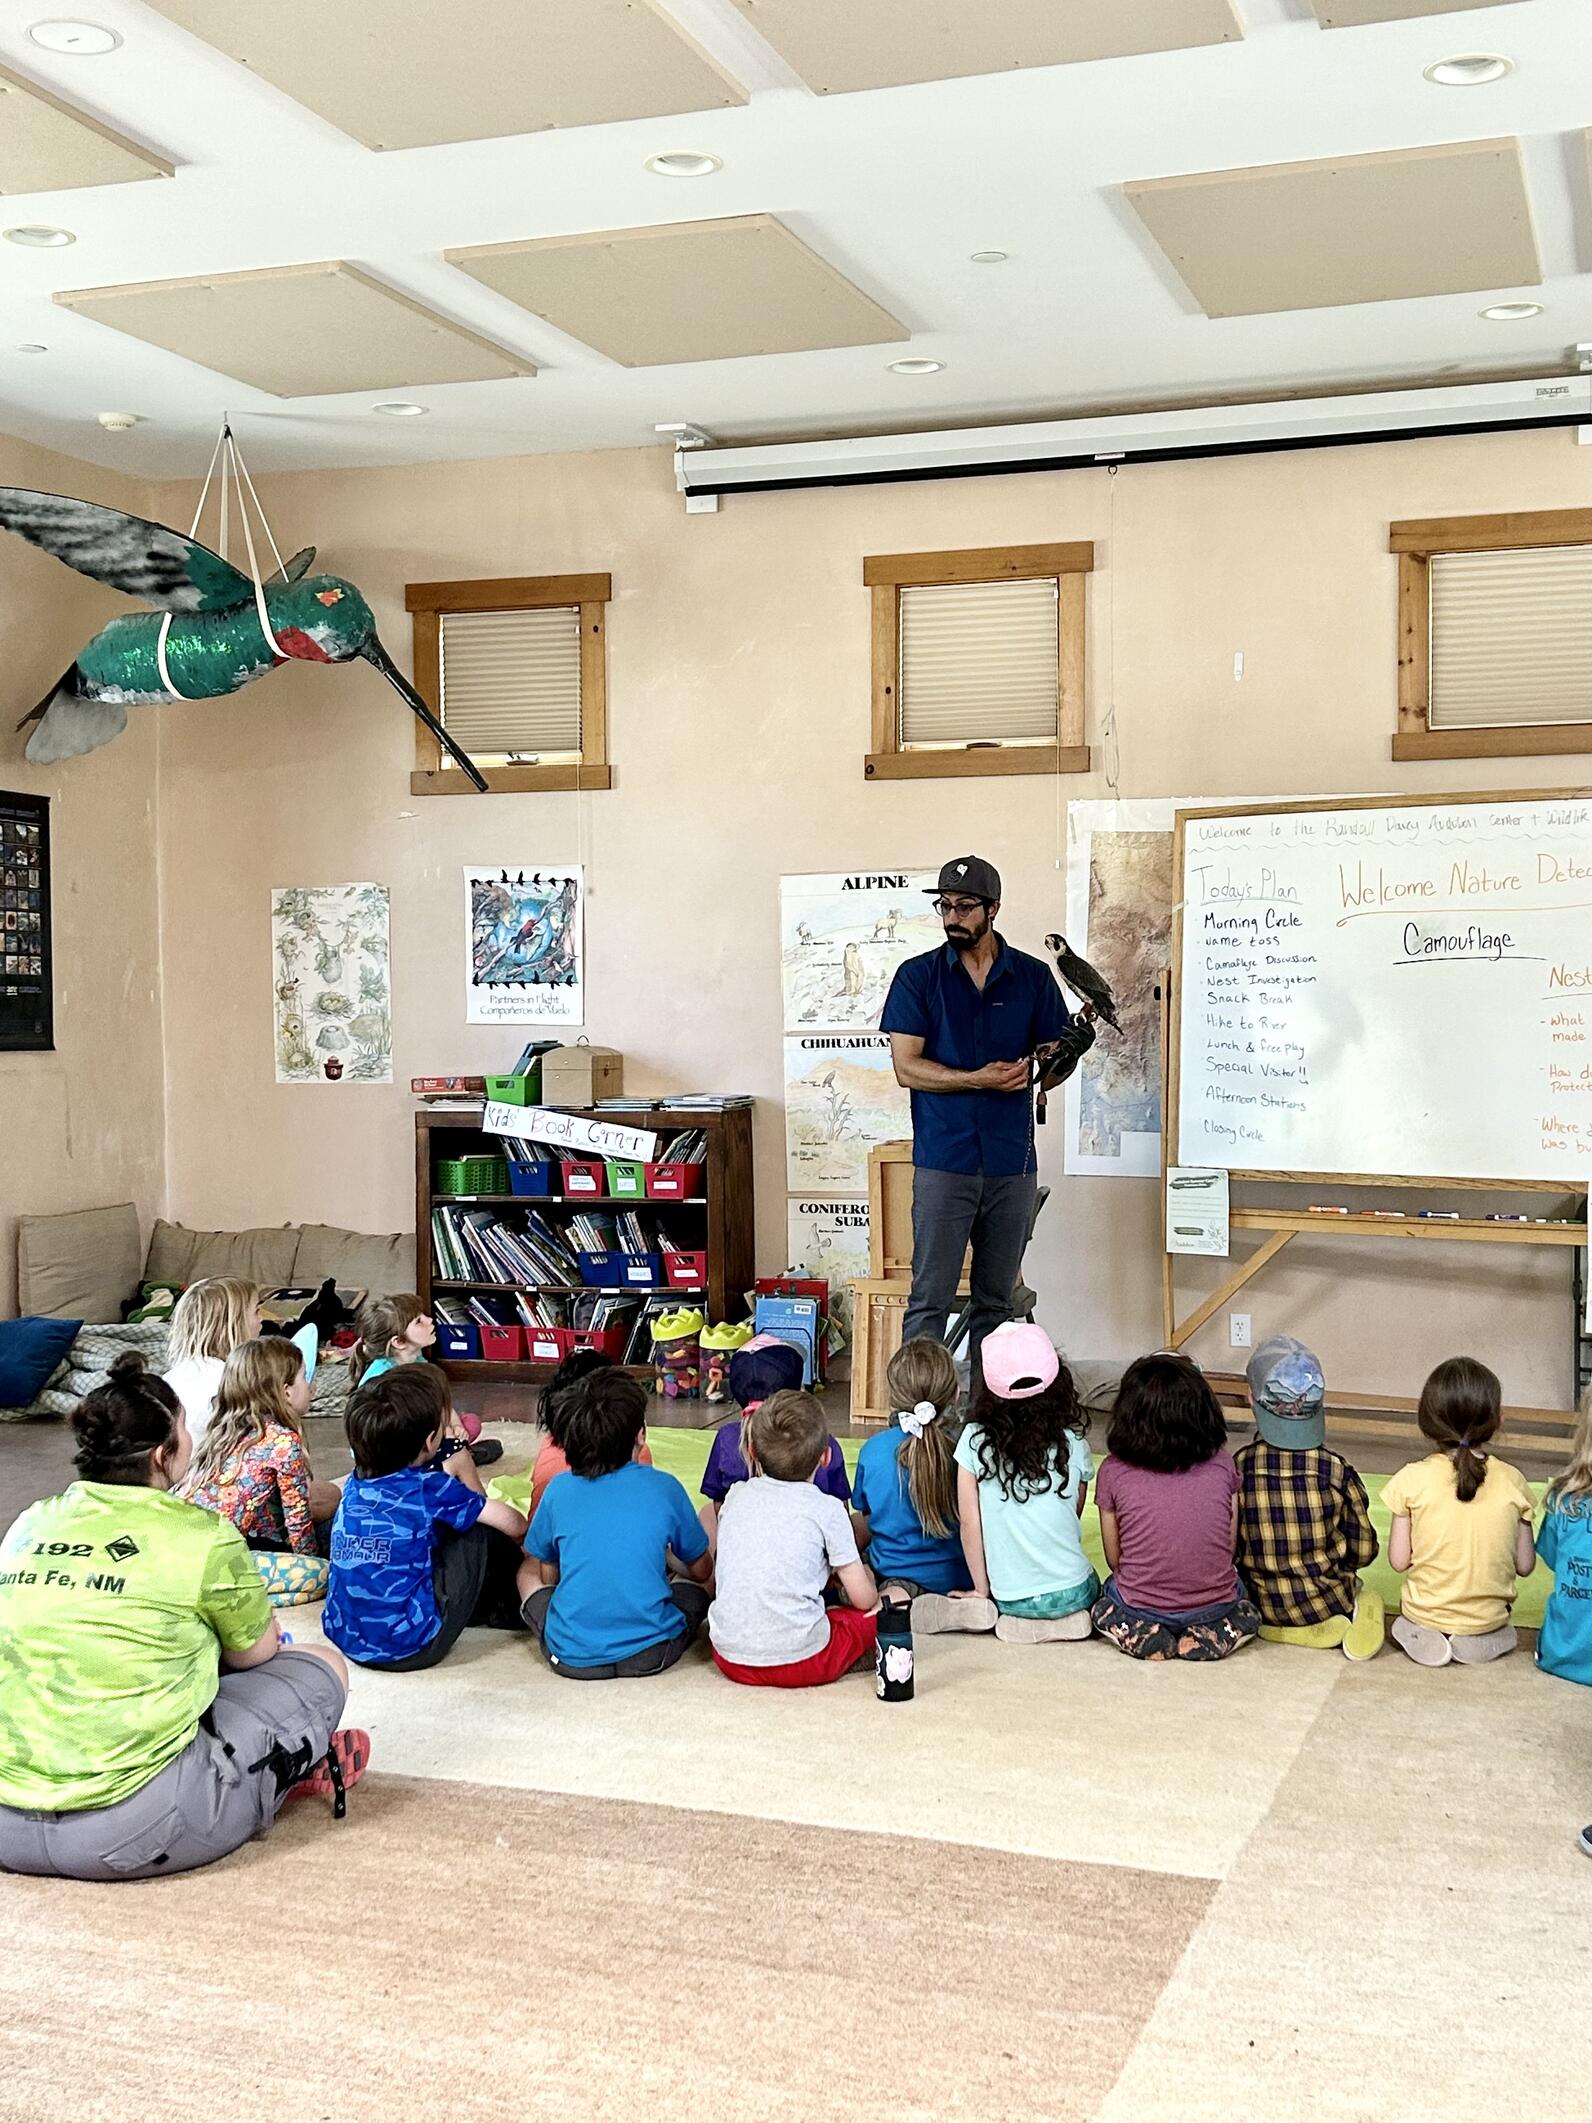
(686, 1271)
(584, 1182)
(607, 1341)
(674, 1183)
(544, 1345)
(501, 1345)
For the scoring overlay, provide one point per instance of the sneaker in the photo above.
(1027, 1629)
(1364, 1638)
(937, 1614)
(486, 1452)
(1427, 1647)
(337, 1771)
(1477, 1650)
(1584, 1841)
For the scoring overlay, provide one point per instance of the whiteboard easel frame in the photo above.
(1172, 1113)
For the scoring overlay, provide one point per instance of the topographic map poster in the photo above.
(1119, 917)
(842, 935)
(841, 1097)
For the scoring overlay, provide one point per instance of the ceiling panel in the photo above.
(1350, 14)
(1367, 228)
(299, 331)
(411, 73)
(47, 146)
(686, 291)
(836, 45)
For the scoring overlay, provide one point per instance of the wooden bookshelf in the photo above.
(719, 1222)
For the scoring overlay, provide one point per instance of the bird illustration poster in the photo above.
(524, 932)
(332, 984)
(841, 1098)
(830, 1239)
(842, 935)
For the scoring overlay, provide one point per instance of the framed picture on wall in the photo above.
(27, 1002)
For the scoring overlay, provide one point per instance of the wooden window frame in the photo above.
(887, 574)
(1415, 541)
(427, 602)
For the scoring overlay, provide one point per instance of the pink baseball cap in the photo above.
(1019, 1360)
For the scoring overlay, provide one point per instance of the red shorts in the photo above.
(851, 1635)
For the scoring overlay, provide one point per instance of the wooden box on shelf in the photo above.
(717, 1225)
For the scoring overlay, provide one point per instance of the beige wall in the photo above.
(738, 679)
(84, 1125)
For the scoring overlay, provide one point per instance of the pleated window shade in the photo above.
(1511, 637)
(980, 663)
(511, 682)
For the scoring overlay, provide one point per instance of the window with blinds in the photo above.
(510, 683)
(1511, 637)
(979, 663)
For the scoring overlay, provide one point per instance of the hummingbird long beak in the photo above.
(374, 653)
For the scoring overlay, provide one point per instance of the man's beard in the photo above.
(961, 939)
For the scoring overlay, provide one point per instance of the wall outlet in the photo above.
(1238, 1330)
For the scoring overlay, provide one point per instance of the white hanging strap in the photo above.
(160, 658)
(204, 494)
(245, 482)
(275, 646)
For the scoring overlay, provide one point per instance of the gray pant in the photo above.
(690, 1598)
(948, 1210)
(225, 1786)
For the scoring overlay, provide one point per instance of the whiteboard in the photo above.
(1387, 987)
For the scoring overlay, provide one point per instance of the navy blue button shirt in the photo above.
(1020, 1006)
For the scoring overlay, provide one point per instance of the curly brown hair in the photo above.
(1023, 1444)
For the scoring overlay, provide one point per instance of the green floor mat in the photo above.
(685, 1453)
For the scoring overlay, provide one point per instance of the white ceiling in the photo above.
(894, 187)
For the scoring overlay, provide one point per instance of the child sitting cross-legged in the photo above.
(1023, 1476)
(903, 1503)
(1304, 1521)
(558, 1397)
(762, 1366)
(1168, 1501)
(418, 1551)
(1461, 1525)
(399, 1330)
(595, 1582)
(780, 1539)
(252, 1469)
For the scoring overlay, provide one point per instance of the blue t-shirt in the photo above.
(727, 1465)
(1018, 1008)
(610, 1535)
(1564, 1645)
(898, 1546)
(381, 1604)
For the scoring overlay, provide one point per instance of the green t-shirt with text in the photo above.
(115, 1605)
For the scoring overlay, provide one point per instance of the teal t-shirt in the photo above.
(1564, 1645)
(1031, 1545)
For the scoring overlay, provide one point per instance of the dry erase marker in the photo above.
(1327, 1209)
(1496, 1219)
(1439, 1216)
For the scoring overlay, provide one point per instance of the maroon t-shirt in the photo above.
(1177, 1533)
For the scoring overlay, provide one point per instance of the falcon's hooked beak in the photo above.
(374, 653)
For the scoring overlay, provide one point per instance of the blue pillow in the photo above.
(30, 1349)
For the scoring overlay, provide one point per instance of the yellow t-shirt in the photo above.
(1462, 1570)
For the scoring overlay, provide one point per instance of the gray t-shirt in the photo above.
(778, 1542)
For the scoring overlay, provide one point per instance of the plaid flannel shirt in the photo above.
(1304, 1529)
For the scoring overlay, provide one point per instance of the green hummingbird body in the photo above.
(211, 654)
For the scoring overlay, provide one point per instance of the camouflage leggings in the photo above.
(1214, 1633)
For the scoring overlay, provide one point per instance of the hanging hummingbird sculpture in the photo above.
(206, 640)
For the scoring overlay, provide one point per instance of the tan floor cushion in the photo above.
(359, 1260)
(83, 1265)
(263, 1255)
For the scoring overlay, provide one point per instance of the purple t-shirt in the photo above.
(726, 1467)
(1176, 1532)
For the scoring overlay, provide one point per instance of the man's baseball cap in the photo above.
(1018, 1360)
(1288, 1394)
(969, 877)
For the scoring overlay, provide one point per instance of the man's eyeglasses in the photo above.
(961, 908)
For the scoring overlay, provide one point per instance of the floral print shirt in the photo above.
(265, 1492)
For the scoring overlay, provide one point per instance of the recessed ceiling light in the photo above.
(38, 238)
(1469, 69)
(400, 409)
(80, 40)
(683, 165)
(989, 257)
(916, 366)
(1511, 312)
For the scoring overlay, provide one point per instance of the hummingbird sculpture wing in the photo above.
(291, 570)
(165, 568)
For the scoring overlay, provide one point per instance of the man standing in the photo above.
(962, 1023)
